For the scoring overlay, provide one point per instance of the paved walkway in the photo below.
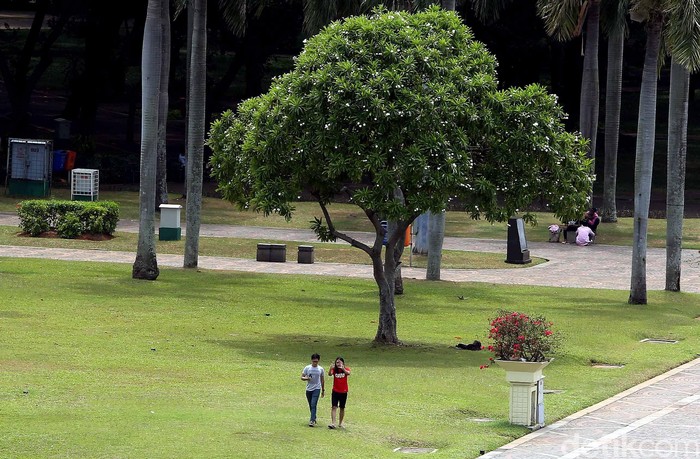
(596, 266)
(657, 419)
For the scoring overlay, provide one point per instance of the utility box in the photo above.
(84, 185)
(170, 229)
(29, 165)
(278, 253)
(306, 254)
(263, 253)
(526, 392)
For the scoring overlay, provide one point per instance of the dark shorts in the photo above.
(339, 399)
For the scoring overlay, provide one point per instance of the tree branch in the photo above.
(342, 236)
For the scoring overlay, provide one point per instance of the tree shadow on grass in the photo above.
(359, 351)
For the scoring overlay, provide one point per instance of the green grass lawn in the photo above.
(207, 364)
(348, 217)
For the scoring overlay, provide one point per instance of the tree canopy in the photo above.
(399, 102)
(397, 99)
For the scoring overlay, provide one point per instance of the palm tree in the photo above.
(436, 221)
(146, 266)
(675, 171)
(683, 40)
(614, 21)
(196, 68)
(564, 20)
(162, 175)
(650, 11)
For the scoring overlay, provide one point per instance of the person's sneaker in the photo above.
(312, 423)
(331, 426)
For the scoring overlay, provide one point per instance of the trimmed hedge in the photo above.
(70, 219)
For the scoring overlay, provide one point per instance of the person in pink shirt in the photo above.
(584, 235)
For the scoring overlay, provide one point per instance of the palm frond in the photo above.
(234, 14)
(318, 13)
(563, 19)
(613, 16)
(642, 10)
(489, 11)
(682, 32)
(178, 7)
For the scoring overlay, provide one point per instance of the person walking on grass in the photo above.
(339, 396)
(315, 385)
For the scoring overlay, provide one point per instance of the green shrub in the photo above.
(38, 216)
(69, 226)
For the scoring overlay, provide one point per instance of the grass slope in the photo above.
(207, 364)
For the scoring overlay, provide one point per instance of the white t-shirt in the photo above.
(315, 372)
(583, 235)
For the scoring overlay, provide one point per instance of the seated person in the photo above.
(584, 235)
(591, 219)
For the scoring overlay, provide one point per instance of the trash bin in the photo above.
(59, 160)
(170, 229)
(263, 252)
(70, 160)
(306, 254)
(517, 251)
(278, 253)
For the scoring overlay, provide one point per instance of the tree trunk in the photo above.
(384, 276)
(398, 251)
(436, 235)
(590, 87)
(675, 181)
(613, 98)
(420, 243)
(643, 167)
(162, 176)
(146, 265)
(197, 67)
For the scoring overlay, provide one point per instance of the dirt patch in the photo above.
(82, 237)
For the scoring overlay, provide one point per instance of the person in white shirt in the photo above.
(584, 235)
(315, 385)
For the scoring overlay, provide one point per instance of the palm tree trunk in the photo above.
(643, 167)
(590, 86)
(146, 266)
(436, 236)
(675, 181)
(162, 176)
(197, 67)
(613, 100)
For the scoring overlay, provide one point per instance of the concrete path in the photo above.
(657, 419)
(596, 266)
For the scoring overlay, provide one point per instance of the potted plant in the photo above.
(522, 346)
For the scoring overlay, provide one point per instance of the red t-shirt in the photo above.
(340, 381)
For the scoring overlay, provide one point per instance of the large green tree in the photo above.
(398, 101)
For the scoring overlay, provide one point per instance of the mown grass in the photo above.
(207, 364)
(348, 217)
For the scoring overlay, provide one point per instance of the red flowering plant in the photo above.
(517, 336)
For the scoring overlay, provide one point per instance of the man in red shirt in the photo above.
(340, 374)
